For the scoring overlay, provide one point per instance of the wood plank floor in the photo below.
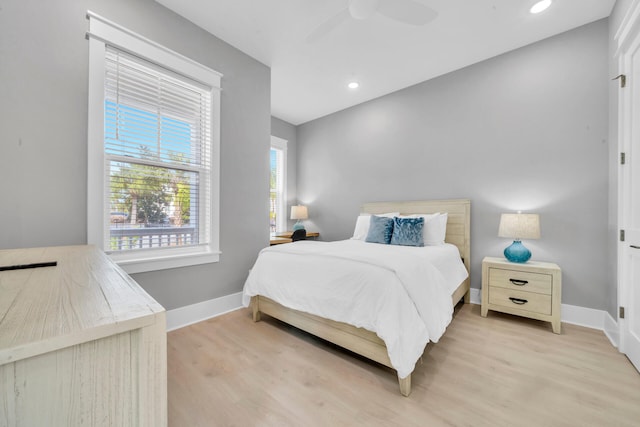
(496, 371)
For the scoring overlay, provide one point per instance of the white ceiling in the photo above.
(309, 80)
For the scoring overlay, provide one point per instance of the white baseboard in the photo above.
(194, 313)
(187, 315)
(475, 295)
(581, 316)
(611, 330)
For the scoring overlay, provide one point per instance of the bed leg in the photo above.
(256, 309)
(405, 385)
(467, 297)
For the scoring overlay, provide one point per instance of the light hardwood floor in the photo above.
(496, 371)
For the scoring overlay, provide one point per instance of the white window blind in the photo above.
(157, 150)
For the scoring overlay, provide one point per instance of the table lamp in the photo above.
(299, 212)
(519, 226)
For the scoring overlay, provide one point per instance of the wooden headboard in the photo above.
(458, 219)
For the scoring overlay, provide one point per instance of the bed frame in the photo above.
(362, 341)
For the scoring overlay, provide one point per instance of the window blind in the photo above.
(157, 142)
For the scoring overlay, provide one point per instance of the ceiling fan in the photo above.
(406, 11)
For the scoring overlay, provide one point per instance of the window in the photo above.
(153, 152)
(278, 185)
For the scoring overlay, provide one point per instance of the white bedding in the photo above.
(401, 293)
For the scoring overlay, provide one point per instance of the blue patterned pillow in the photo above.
(407, 231)
(380, 230)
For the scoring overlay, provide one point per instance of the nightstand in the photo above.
(531, 289)
(285, 237)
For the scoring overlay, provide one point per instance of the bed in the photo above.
(358, 336)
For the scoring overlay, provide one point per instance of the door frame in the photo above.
(627, 40)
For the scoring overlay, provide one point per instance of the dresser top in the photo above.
(85, 297)
(529, 265)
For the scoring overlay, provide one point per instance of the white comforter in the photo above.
(403, 294)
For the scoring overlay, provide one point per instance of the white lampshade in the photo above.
(299, 212)
(519, 226)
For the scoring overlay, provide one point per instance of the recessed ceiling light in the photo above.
(540, 6)
(353, 85)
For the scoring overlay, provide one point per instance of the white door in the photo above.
(630, 325)
(629, 194)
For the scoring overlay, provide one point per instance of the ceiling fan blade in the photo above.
(407, 11)
(327, 26)
(363, 9)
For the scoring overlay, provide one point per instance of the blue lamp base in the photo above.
(517, 252)
(298, 226)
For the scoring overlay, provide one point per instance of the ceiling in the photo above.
(309, 79)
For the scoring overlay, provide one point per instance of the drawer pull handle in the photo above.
(634, 246)
(518, 301)
(518, 282)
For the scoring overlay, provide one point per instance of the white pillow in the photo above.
(362, 224)
(435, 228)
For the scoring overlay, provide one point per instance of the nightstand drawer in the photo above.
(516, 299)
(521, 280)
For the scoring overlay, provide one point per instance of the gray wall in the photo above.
(286, 130)
(43, 135)
(525, 130)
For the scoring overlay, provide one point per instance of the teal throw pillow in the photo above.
(407, 231)
(380, 230)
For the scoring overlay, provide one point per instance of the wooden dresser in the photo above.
(81, 343)
(532, 289)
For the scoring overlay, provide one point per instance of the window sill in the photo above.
(163, 259)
